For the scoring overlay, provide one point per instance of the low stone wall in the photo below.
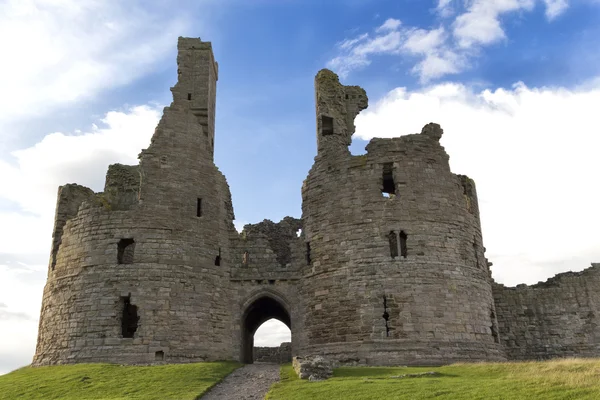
(277, 355)
(556, 318)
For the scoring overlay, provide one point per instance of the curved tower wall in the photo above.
(365, 301)
(145, 250)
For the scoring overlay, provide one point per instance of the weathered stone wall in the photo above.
(556, 318)
(277, 355)
(364, 303)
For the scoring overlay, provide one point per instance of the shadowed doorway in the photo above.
(258, 312)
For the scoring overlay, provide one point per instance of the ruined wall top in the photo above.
(336, 106)
(197, 75)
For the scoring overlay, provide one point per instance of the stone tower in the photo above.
(136, 270)
(386, 266)
(398, 273)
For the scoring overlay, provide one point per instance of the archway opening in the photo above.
(257, 313)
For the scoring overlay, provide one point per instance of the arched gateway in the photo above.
(257, 310)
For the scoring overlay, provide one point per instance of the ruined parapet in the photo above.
(69, 199)
(337, 106)
(279, 235)
(556, 318)
(122, 186)
(269, 251)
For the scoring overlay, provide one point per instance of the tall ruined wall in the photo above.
(136, 276)
(556, 318)
(397, 272)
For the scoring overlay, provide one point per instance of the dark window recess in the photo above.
(218, 259)
(326, 125)
(389, 187)
(129, 320)
(245, 258)
(189, 96)
(476, 253)
(494, 327)
(393, 239)
(346, 97)
(159, 356)
(271, 282)
(308, 253)
(55, 253)
(386, 316)
(199, 207)
(403, 249)
(125, 250)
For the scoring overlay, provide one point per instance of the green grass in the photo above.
(110, 381)
(549, 380)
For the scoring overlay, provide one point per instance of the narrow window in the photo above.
(199, 207)
(476, 253)
(189, 96)
(125, 250)
(245, 258)
(271, 281)
(159, 356)
(389, 187)
(393, 239)
(386, 316)
(346, 97)
(326, 125)
(494, 327)
(129, 320)
(308, 253)
(403, 249)
(218, 259)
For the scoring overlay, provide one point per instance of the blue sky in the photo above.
(514, 83)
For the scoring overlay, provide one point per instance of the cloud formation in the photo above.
(443, 50)
(533, 155)
(57, 52)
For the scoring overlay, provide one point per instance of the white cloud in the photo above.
(554, 8)
(57, 52)
(444, 8)
(390, 24)
(61, 158)
(390, 39)
(436, 53)
(533, 157)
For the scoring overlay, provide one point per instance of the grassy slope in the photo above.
(561, 379)
(109, 381)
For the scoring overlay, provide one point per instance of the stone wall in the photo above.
(398, 273)
(556, 318)
(277, 355)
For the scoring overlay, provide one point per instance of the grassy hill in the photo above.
(550, 380)
(109, 381)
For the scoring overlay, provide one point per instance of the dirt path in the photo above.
(251, 381)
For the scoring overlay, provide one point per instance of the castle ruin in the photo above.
(389, 267)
